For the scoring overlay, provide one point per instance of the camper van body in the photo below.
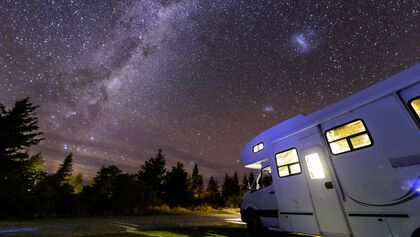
(350, 169)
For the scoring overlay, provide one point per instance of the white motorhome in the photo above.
(350, 169)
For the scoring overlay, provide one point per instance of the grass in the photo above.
(161, 221)
(202, 209)
(223, 231)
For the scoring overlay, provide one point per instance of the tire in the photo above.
(416, 233)
(254, 223)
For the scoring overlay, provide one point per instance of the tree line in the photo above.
(27, 190)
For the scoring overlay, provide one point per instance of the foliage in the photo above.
(177, 192)
(77, 183)
(114, 192)
(25, 190)
(64, 173)
(19, 170)
(251, 178)
(245, 184)
(54, 195)
(18, 130)
(196, 184)
(212, 192)
(153, 173)
(231, 190)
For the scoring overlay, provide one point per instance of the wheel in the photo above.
(254, 223)
(416, 233)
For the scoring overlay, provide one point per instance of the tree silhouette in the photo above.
(231, 190)
(77, 183)
(245, 183)
(212, 192)
(196, 183)
(177, 191)
(235, 186)
(251, 178)
(64, 173)
(18, 130)
(19, 171)
(54, 195)
(153, 173)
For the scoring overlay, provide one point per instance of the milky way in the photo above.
(116, 80)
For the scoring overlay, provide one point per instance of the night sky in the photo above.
(116, 80)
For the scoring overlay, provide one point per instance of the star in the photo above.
(117, 80)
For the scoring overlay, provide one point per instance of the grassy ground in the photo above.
(197, 210)
(224, 231)
(178, 223)
(228, 230)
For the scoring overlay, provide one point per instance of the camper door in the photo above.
(323, 189)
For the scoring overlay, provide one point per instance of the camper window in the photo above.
(348, 137)
(315, 166)
(264, 179)
(258, 147)
(415, 107)
(288, 163)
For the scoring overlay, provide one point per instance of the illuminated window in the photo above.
(314, 166)
(415, 106)
(348, 137)
(258, 147)
(288, 163)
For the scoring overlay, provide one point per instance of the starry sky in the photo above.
(116, 80)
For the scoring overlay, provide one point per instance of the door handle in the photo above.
(329, 185)
(271, 192)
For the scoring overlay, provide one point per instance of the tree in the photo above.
(245, 183)
(212, 192)
(235, 186)
(196, 183)
(55, 195)
(227, 187)
(77, 183)
(114, 192)
(251, 178)
(231, 190)
(19, 170)
(230, 186)
(153, 173)
(177, 190)
(18, 130)
(64, 172)
(103, 188)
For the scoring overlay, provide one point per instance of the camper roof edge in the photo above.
(300, 123)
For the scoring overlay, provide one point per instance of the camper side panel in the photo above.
(379, 179)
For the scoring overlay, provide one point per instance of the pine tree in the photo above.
(177, 191)
(77, 183)
(227, 187)
(64, 173)
(213, 186)
(235, 185)
(19, 170)
(251, 178)
(231, 190)
(212, 192)
(18, 130)
(196, 183)
(153, 173)
(245, 183)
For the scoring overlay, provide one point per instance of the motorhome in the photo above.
(350, 169)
